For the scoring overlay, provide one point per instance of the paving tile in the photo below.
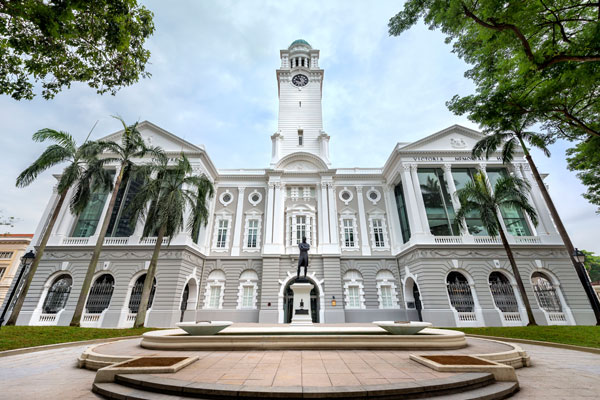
(343, 379)
(315, 380)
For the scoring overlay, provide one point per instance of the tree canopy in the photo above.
(592, 264)
(58, 42)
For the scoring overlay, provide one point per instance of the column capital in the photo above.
(481, 167)
(413, 166)
(447, 167)
(359, 189)
(242, 189)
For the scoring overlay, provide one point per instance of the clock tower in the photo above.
(300, 87)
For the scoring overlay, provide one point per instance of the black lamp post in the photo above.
(579, 257)
(26, 261)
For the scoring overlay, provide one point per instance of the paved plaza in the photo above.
(52, 374)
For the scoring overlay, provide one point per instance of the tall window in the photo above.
(402, 213)
(247, 289)
(252, 233)
(215, 296)
(386, 296)
(58, 294)
(378, 238)
(215, 284)
(514, 219)
(89, 217)
(386, 289)
(248, 297)
(300, 137)
(222, 233)
(438, 205)
(353, 297)
(348, 232)
(461, 177)
(121, 224)
(353, 289)
(300, 228)
(100, 294)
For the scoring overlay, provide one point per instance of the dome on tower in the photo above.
(299, 42)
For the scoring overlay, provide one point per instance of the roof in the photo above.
(299, 41)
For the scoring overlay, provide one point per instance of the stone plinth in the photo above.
(302, 311)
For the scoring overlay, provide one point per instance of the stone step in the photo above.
(498, 390)
(140, 385)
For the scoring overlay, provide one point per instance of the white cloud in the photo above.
(213, 83)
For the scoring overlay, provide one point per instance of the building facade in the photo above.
(385, 244)
(12, 248)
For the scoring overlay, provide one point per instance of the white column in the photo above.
(546, 225)
(237, 231)
(320, 217)
(412, 207)
(43, 223)
(65, 218)
(333, 220)
(481, 169)
(211, 222)
(269, 217)
(278, 215)
(420, 203)
(393, 217)
(105, 208)
(364, 231)
(455, 201)
(325, 239)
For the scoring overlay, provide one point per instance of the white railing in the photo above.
(47, 318)
(112, 241)
(528, 239)
(91, 317)
(448, 239)
(131, 317)
(467, 317)
(511, 316)
(76, 241)
(152, 240)
(487, 239)
(557, 317)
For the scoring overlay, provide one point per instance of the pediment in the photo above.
(301, 162)
(454, 138)
(155, 136)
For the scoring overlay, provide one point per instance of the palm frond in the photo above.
(537, 141)
(508, 150)
(61, 138)
(488, 145)
(52, 156)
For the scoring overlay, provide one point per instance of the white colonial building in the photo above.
(385, 244)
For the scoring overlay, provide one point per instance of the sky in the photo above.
(213, 83)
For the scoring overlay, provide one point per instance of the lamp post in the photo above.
(579, 257)
(26, 261)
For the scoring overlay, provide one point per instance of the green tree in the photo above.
(132, 147)
(592, 264)
(541, 56)
(162, 202)
(509, 191)
(85, 172)
(585, 158)
(59, 42)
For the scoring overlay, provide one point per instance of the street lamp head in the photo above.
(28, 257)
(579, 255)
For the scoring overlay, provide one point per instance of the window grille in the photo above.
(136, 294)
(100, 294)
(6, 254)
(460, 295)
(2, 271)
(222, 233)
(300, 138)
(378, 233)
(348, 232)
(503, 293)
(57, 296)
(252, 233)
(546, 295)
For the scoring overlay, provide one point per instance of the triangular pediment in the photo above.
(454, 138)
(156, 136)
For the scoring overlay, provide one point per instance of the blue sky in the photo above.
(213, 83)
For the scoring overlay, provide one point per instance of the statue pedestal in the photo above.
(302, 311)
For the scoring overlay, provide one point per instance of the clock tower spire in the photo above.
(300, 87)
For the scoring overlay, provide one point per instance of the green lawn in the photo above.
(16, 337)
(588, 336)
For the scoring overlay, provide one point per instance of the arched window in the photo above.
(353, 289)
(545, 293)
(58, 294)
(100, 294)
(215, 286)
(503, 293)
(247, 289)
(459, 292)
(386, 289)
(136, 294)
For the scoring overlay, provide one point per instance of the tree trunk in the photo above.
(141, 314)
(87, 281)
(38, 257)
(517, 275)
(566, 240)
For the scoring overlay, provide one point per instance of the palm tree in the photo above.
(509, 191)
(132, 147)
(508, 135)
(85, 171)
(162, 202)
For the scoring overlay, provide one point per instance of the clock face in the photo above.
(300, 80)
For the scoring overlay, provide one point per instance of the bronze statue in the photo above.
(303, 258)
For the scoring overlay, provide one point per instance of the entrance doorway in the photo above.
(288, 302)
(417, 297)
(413, 297)
(184, 301)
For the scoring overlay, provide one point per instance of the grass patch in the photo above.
(588, 336)
(17, 337)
